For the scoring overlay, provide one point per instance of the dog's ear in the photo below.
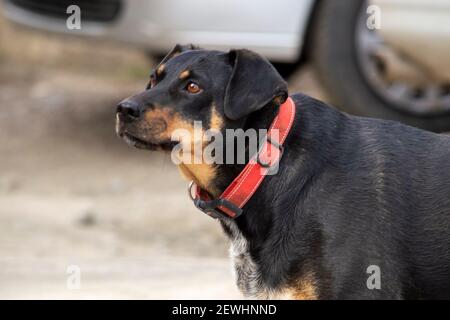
(176, 51)
(254, 83)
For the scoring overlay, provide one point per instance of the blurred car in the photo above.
(400, 70)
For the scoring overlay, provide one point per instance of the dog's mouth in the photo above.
(133, 140)
(142, 144)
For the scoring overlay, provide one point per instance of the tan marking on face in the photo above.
(160, 69)
(184, 75)
(202, 173)
(172, 119)
(216, 122)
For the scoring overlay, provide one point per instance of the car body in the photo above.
(273, 30)
(399, 71)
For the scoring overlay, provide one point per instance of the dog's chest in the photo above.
(246, 271)
(247, 274)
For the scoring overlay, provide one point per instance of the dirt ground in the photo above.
(72, 193)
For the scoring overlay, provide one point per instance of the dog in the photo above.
(359, 207)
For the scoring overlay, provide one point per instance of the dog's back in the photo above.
(384, 191)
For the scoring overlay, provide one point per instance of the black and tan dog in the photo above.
(350, 192)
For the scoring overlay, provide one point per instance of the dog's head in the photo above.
(217, 88)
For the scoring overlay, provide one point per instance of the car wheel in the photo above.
(354, 65)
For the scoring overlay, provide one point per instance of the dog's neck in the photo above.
(215, 178)
(226, 173)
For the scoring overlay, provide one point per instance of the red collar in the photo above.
(241, 189)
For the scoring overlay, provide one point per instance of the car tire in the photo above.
(333, 52)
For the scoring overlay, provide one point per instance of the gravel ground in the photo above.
(73, 194)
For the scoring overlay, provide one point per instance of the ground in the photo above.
(72, 193)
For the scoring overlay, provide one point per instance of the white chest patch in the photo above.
(248, 277)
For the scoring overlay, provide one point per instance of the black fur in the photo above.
(243, 94)
(351, 192)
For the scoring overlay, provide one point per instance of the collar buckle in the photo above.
(212, 207)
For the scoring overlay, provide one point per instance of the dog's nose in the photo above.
(129, 109)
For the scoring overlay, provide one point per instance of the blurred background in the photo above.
(73, 194)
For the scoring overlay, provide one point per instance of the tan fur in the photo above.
(202, 174)
(172, 119)
(304, 288)
(184, 75)
(160, 69)
(216, 122)
(278, 100)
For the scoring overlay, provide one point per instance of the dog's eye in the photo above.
(192, 87)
